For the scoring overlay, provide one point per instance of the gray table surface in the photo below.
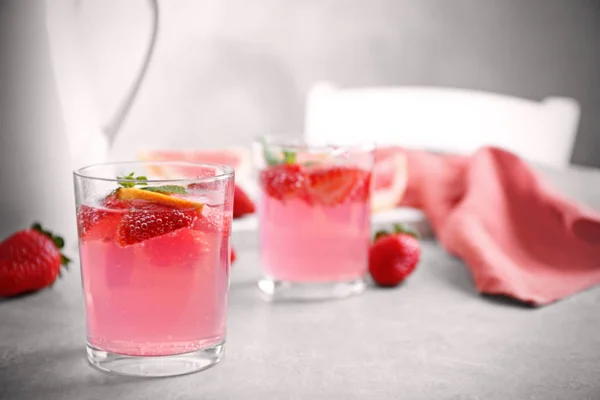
(432, 338)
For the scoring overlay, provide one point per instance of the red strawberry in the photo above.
(113, 202)
(97, 224)
(233, 256)
(154, 220)
(140, 215)
(393, 257)
(242, 204)
(334, 185)
(283, 181)
(184, 248)
(30, 260)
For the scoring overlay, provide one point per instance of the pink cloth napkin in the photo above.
(517, 235)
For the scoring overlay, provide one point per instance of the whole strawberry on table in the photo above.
(242, 204)
(30, 260)
(394, 256)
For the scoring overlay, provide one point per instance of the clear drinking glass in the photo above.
(154, 247)
(314, 218)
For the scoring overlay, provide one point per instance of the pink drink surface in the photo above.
(162, 296)
(306, 240)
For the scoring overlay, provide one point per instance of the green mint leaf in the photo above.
(131, 177)
(270, 159)
(166, 189)
(289, 157)
(286, 157)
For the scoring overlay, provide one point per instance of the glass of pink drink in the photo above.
(154, 247)
(314, 219)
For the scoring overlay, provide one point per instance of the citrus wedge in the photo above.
(390, 176)
(239, 158)
(158, 198)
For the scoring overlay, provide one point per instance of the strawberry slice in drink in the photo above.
(325, 185)
(284, 181)
(96, 224)
(154, 214)
(335, 185)
(101, 223)
(133, 215)
(153, 221)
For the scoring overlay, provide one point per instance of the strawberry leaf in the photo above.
(399, 228)
(64, 260)
(380, 234)
(58, 241)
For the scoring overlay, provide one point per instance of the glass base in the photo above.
(159, 366)
(275, 290)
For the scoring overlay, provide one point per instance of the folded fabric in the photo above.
(518, 236)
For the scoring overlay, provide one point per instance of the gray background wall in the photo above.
(227, 70)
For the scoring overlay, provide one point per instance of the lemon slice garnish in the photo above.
(159, 198)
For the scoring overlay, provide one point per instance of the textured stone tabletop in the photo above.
(432, 338)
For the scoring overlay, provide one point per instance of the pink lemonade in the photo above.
(155, 275)
(314, 223)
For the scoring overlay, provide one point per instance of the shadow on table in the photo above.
(17, 297)
(506, 301)
(52, 373)
(456, 274)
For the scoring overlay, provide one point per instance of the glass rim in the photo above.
(228, 172)
(301, 143)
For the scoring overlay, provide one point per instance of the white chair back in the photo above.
(444, 119)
